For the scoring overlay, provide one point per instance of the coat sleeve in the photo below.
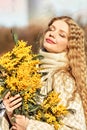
(65, 85)
(4, 124)
(38, 125)
(32, 125)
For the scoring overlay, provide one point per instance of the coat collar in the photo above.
(53, 61)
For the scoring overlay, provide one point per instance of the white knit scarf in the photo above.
(50, 64)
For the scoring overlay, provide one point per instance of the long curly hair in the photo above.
(77, 57)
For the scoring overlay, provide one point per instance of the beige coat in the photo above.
(60, 80)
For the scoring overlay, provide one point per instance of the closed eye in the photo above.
(62, 35)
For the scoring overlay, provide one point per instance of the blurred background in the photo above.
(29, 18)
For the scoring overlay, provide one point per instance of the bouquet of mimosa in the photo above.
(20, 73)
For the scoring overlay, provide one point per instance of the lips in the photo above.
(50, 41)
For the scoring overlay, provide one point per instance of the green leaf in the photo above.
(2, 68)
(35, 108)
(72, 111)
(5, 92)
(17, 111)
(23, 108)
(2, 83)
(32, 101)
(14, 36)
(38, 57)
(13, 120)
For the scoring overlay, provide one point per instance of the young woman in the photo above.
(63, 48)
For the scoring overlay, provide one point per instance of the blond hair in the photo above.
(77, 58)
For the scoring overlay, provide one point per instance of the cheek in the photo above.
(62, 42)
(45, 36)
(66, 43)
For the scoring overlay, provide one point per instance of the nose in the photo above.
(52, 34)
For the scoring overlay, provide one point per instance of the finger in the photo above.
(6, 102)
(7, 95)
(18, 116)
(15, 102)
(10, 109)
(17, 95)
(14, 128)
(11, 99)
(16, 106)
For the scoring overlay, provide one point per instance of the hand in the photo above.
(21, 122)
(11, 103)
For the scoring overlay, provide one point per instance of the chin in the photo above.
(50, 51)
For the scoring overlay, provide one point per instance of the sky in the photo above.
(61, 6)
(13, 12)
(19, 12)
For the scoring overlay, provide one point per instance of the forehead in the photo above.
(60, 24)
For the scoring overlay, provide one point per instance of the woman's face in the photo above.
(56, 38)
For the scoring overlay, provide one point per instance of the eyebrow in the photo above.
(52, 26)
(60, 29)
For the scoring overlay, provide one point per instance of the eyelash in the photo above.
(62, 35)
